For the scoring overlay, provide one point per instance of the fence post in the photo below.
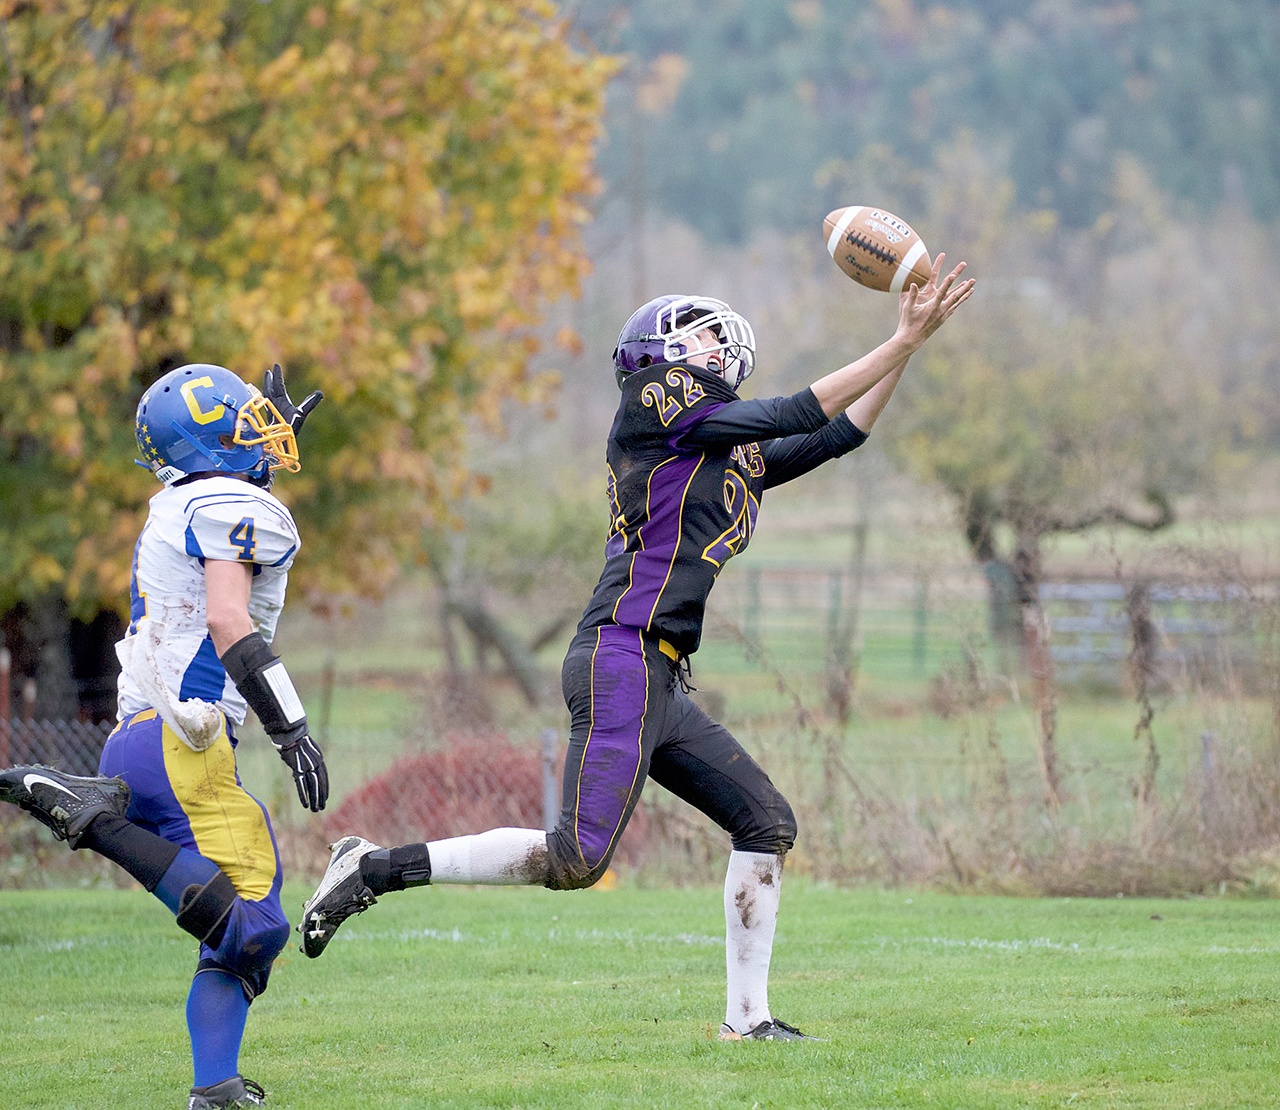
(327, 680)
(550, 740)
(6, 664)
(751, 619)
(29, 700)
(920, 638)
(1209, 781)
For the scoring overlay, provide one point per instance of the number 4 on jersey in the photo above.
(241, 536)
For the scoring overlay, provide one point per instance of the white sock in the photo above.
(499, 857)
(752, 890)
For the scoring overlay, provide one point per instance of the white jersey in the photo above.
(211, 518)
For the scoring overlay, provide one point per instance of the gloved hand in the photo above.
(273, 390)
(310, 775)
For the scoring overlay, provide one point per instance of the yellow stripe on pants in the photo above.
(230, 828)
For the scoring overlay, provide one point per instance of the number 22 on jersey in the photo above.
(669, 406)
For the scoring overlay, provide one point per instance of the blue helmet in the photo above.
(662, 330)
(202, 418)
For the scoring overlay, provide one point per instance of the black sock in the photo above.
(390, 869)
(143, 854)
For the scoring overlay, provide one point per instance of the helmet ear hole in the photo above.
(643, 361)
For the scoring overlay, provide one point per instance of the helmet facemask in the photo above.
(734, 338)
(258, 421)
(666, 329)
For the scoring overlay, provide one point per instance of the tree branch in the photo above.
(1164, 516)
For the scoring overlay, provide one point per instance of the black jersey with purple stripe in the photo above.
(688, 463)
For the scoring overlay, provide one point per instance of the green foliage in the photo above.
(535, 533)
(1049, 431)
(450, 997)
(775, 91)
(384, 198)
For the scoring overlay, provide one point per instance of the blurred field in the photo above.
(859, 670)
(933, 774)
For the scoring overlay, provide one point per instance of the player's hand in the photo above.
(923, 310)
(310, 775)
(295, 415)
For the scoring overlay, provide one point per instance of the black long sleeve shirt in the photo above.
(688, 463)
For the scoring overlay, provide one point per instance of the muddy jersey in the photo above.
(211, 518)
(688, 463)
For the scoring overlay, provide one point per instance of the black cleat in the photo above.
(771, 1030)
(236, 1091)
(340, 894)
(65, 803)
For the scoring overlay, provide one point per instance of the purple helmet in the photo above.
(663, 331)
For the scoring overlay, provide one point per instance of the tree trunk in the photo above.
(1004, 613)
(1039, 661)
(1040, 666)
(38, 634)
(489, 632)
(1142, 672)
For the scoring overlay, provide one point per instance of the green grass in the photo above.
(523, 998)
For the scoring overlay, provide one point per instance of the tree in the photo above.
(1039, 420)
(384, 198)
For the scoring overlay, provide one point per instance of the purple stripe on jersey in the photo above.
(611, 762)
(659, 540)
(690, 420)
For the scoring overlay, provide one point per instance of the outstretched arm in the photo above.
(867, 408)
(921, 312)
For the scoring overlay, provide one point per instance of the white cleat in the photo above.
(341, 894)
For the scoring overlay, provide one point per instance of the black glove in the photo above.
(273, 390)
(309, 773)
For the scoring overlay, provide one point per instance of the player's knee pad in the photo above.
(566, 869)
(203, 910)
(253, 980)
(772, 832)
(256, 934)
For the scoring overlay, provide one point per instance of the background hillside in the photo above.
(740, 115)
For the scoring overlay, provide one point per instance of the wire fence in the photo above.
(72, 746)
(907, 625)
(791, 648)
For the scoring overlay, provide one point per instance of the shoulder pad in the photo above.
(242, 525)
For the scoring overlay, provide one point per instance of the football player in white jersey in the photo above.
(208, 585)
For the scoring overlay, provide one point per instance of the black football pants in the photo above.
(630, 720)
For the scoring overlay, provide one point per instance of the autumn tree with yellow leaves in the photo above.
(385, 198)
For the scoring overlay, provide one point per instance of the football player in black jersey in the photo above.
(688, 463)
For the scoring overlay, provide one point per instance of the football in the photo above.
(876, 248)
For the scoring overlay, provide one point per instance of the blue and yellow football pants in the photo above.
(196, 801)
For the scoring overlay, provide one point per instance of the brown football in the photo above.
(876, 249)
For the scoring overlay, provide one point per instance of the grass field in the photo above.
(609, 998)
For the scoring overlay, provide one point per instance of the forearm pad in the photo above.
(263, 682)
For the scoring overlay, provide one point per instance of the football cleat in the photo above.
(340, 894)
(65, 803)
(771, 1030)
(236, 1091)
